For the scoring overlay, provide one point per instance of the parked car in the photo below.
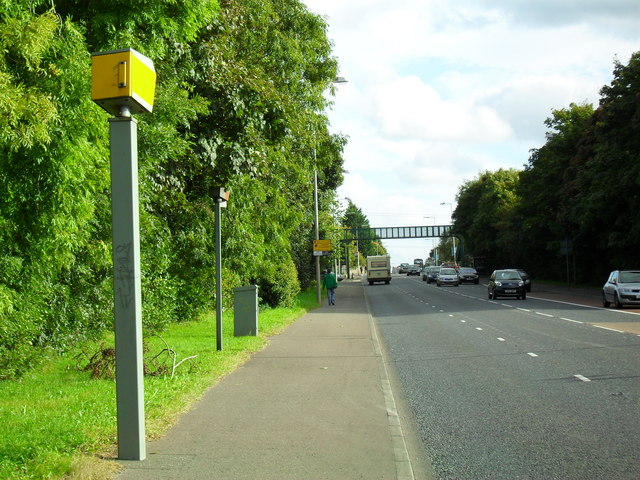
(525, 278)
(469, 275)
(430, 274)
(506, 283)
(414, 270)
(622, 288)
(424, 272)
(448, 276)
(403, 268)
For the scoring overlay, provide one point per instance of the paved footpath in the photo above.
(315, 404)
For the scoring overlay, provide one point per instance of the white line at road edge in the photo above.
(404, 469)
(607, 328)
(583, 378)
(585, 306)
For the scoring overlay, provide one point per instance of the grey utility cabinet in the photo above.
(245, 311)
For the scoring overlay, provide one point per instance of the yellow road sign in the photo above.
(322, 246)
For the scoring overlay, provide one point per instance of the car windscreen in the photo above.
(629, 277)
(467, 270)
(508, 276)
(447, 271)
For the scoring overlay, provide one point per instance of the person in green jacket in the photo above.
(330, 284)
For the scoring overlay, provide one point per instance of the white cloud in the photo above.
(409, 109)
(440, 90)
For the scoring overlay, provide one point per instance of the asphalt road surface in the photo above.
(513, 389)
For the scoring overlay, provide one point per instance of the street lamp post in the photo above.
(316, 228)
(455, 261)
(221, 197)
(337, 80)
(433, 240)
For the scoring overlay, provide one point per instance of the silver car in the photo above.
(622, 288)
(448, 276)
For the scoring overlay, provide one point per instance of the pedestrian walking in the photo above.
(330, 284)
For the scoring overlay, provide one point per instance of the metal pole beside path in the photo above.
(127, 288)
(316, 232)
(218, 275)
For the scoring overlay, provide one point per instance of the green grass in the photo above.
(57, 422)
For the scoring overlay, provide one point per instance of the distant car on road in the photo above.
(622, 288)
(414, 270)
(448, 276)
(506, 283)
(430, 274)
(403, 268)
(469, 275)
(525, 278)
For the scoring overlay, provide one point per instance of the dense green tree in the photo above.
(53, 175)
(354, 220)
(544, 211)
(606, 177)
(576, 204)
(264, 67)
(239, 103)
(482, 215)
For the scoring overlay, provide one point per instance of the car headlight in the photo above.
(498, 284)
(520, 283)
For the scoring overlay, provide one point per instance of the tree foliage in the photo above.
(353, 220)
(239, 103)
(574, 212)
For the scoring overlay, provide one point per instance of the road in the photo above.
(513, 389)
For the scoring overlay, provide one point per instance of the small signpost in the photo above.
(123, 82)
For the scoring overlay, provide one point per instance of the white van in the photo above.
(379, 269)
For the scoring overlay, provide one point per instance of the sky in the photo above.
(441, 90)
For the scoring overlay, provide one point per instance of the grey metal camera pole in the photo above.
(127, 287)
(218, 275)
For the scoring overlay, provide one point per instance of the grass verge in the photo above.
(58, 422)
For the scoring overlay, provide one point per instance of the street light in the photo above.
(337, 80)
(455, 262)
(435, 249)
(220, 196)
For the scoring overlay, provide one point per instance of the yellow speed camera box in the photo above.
(123, 81)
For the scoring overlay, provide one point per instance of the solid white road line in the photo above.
(607, 328)
(582, 377)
